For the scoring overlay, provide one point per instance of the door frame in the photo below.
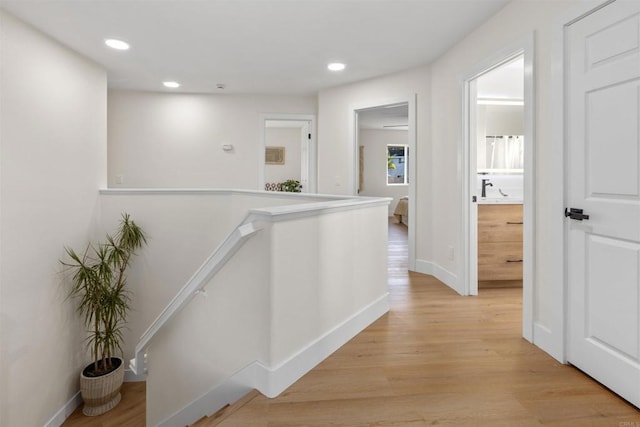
(312, 147)
(469, 222)
(410, 100)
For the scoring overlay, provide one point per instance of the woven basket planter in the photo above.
(101, 394)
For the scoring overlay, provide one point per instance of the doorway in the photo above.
(498, 158)
(499, 168)
(384, 141)
(289, 152)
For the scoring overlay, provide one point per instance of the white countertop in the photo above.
(499, 201)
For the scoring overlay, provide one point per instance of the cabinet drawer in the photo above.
(499, 232)
(498, 253)
(504, 271)
(499, 223)
(499, 213)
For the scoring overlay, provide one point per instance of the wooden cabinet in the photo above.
(499, 242)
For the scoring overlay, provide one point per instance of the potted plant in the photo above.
(291, 186)
(99, 284)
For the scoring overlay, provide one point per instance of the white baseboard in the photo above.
(440, 273)
(271, 381)
(544, 338)
(64, 412)
(291, 370)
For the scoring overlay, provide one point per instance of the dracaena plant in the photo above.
(99, 284)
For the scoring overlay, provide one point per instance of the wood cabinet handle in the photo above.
(513, 222)
(514, 260)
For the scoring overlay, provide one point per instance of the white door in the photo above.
(603, 161)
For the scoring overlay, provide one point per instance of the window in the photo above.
(397, 164)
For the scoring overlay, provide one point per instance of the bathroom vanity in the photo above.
(499, 241)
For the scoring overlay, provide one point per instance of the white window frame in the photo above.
(406, 162)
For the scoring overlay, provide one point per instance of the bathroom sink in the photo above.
(500, 200)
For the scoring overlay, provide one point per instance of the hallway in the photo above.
(439, 358)
(435, 359)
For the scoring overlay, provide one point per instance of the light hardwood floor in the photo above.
(435, 359)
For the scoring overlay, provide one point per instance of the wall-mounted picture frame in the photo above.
(274, 156)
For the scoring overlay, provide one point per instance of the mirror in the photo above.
(500, 143)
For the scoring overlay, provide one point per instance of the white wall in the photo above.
(439, 131)
(503, 119)
(496, 33)
(375, 143)
(335, 132)
(175, 140)
(291, 140)
(52, 162)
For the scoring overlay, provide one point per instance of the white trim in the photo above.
(440, 273)
(523, 46)
(216, 192)
(410, 100)
(289, 212)
(271, 381)
(63, 413)
(544, 338)
(313, 150)
(76, 400)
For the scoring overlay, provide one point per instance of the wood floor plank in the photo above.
(435, 359)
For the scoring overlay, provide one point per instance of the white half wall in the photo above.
(301, 287)
(375, 163)
(52, 162)
(163, 140)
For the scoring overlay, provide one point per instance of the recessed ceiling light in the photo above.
(116, 44)
(172, 85)
(336, 66)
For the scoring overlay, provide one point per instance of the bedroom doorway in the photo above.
(384, 151)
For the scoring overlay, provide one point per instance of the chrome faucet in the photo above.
(485, 184)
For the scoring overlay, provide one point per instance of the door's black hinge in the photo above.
(309, 136)
(474, 199)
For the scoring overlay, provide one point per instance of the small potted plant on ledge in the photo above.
(99, 284)
(291, 186)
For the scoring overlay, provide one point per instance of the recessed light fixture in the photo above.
(117, 44)
(171, 85)
(336, 66)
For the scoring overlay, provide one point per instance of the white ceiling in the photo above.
(394, 117)
(255, 46)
